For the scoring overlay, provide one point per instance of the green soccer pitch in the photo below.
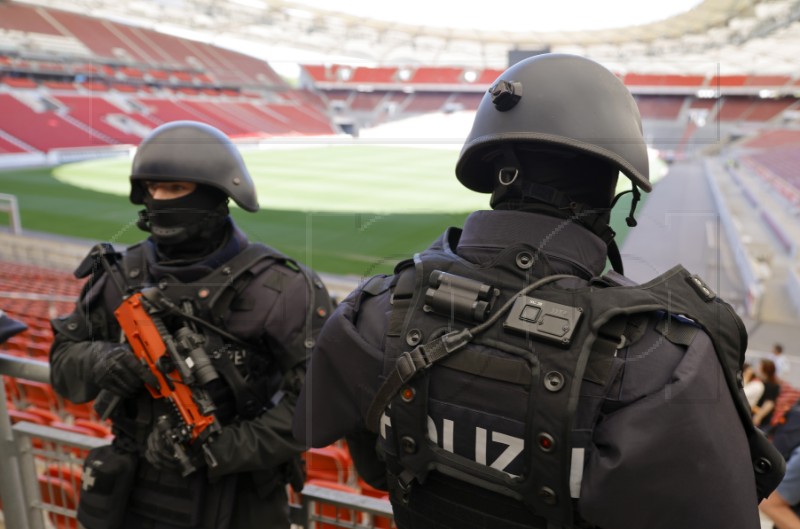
(342, 209)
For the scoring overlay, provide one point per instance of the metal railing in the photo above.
(8, 204)
(323, 507)
(40, 481)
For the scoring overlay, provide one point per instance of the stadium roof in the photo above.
(730, 36)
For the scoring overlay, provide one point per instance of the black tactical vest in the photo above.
(483, 372)
(251, 374)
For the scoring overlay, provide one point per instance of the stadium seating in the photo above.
(488, 76)
(6, 147)
(431, 75)
(774, 138)
(19, 82)
(303, 119)
(330, 463)
(767, 109)
(60, 493)
(19, 17)
(727, 80)
(660, 107)
(637, 79)
(95, 112)
(422, 102)
(383, 75)
(734, 108)
(366, 101)
(21, 415)
(332, 511)
(772, 81)
(43, 130)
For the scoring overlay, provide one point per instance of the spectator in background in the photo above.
(782, 365)
(781, 505)
(753, 386)
(762, 413)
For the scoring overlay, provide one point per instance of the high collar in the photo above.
(487, 232)
(192, 271)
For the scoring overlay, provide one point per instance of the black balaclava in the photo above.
(559, 183)
(188, 227)
(583, 179)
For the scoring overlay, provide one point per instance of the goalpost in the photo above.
(9, 204)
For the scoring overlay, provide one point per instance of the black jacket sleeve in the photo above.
(343, 377)
(78, 337)
(293, 313)
(670, 450)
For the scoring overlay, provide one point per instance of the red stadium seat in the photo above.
(72, 474)
(330, 463)
(47, 416)
(332, 511)
(39, 394)
(60, 493)
(12, 389)
(83, 411)
(98, 429)
(367, 490)
(22, 415)
(74, 428)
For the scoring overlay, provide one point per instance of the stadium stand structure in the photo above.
(680, 113)
(94, 82)
(91, 82)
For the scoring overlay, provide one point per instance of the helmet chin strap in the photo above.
(630, 220)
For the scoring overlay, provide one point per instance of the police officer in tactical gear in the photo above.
(499, 379)
(251, 314)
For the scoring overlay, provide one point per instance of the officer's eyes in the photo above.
(169, 188)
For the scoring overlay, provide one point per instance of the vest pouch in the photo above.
(167, 497)
(108, 478)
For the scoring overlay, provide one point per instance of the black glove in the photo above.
(160, 452)
(117, 370)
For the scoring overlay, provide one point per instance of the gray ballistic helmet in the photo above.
(189, 151)
(560, 100)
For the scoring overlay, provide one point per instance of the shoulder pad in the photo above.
(262, 250)
(402, 265)
(377, 284)
(90, 263)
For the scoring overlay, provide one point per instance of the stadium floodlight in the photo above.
(344, 73)
(470, 76)
(706, 93)
(768, 94)
(404, 74)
